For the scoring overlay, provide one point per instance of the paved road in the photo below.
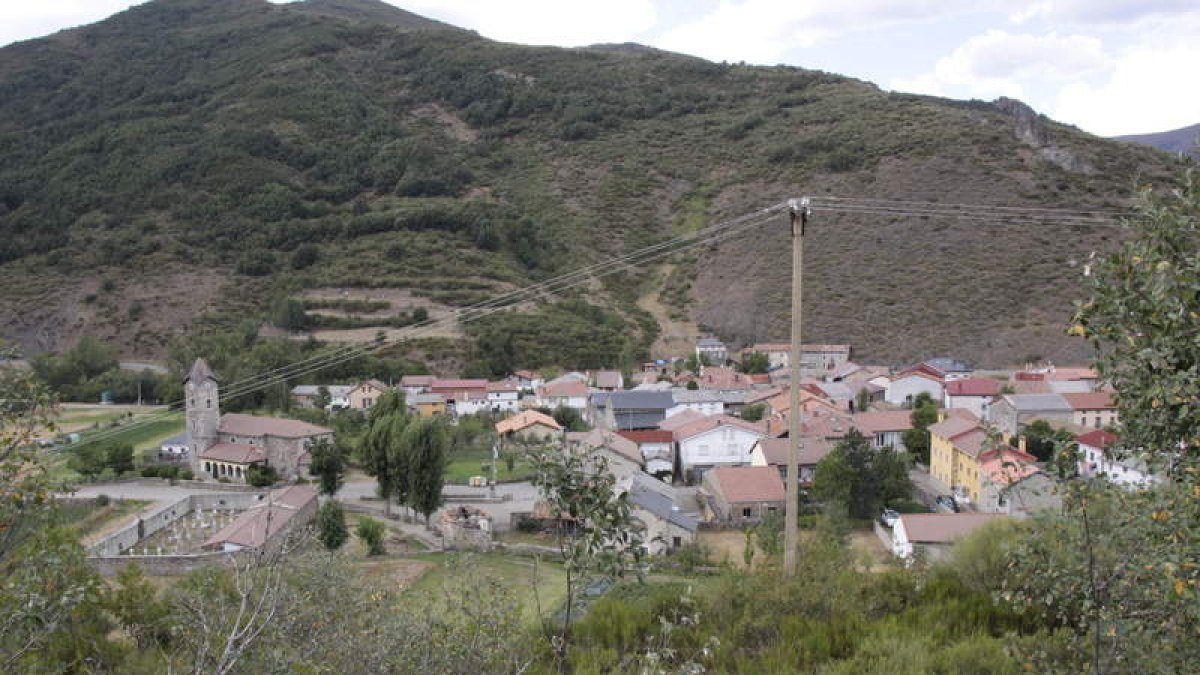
(523, 496)
(927, 487)
(152, 493)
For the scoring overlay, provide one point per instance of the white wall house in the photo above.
(570, 394)
(503, 397)
(973, 394)
(715, 441)
(1095, 459)
(907, 387)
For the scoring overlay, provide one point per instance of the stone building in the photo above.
(226, 446)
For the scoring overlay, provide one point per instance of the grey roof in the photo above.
(1070, 386)
(658, 502)
(638, 400)
(426, 398)
(838, 391)
(313, 389)
(181, 438)
(1037, 402)
(708, 395)
(949, 365)
(709, 342)
(200, 371)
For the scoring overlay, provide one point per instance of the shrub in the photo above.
(528, 525)
(149, 472)
(103, 500)
(370, 531)
(259, 475)
(186, 474)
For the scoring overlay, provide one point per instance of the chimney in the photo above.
(1021, 443)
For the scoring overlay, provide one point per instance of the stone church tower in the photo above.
(203, 410)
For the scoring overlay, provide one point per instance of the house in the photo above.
(630, 409)
(1094, 410)
(657, 447)
(428, 405)
(973, 393)
(911, 382)
(226, 446)
(1010, 483)
(883, 428)
(743, 494)
(714, 441)
(814, 358)
(527, 380)
(774, 452)
(568, 393)
(680, 419)
(623, 457)
(416, 384)
(654, 506)
(503, 396)
(723, 379)
(609, 380)
(459, 389)
(176, 449)
(712, 348)
(1096, 458)
(530, 425)
(840, 393)
(955, 446)
(306, 395)
(1010, 413)
(364, 394)
(951, 369)
(704, 401)
(265, 524)
(931, 535)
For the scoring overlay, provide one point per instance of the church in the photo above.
(226, 446)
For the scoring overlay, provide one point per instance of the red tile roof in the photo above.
(717, 377)
(711, 422)
(416, 380)
(459, 385)
(973, 386)
(681, 419)
(525, 420)
(503, 386)
(1096, 400)
(251, 425)
(255, 526)
(235, 453)
(640, 436)
(1097, 439)
(564, 389)
(742, 484)
(812, 450)
(954, 425)
(883, 420)
(608, 379)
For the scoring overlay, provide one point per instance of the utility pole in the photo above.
(799, 218)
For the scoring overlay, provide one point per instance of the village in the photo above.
(695, 443)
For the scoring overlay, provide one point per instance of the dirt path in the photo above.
(676, 338)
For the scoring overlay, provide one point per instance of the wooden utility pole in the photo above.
(799, 218)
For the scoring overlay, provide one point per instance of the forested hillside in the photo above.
(206, 159)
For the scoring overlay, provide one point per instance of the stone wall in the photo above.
(162, 516)
(160, 565)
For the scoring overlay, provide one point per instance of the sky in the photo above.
(1107, 66)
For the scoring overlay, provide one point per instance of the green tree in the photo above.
(370, 532)
(570, 418)
(1042, 440)
(323, 398)
(916, 439)
(593, 524)
(331, 525)
(861, 478)
(756, 362)
(754, 412)
(262, 475)
(382, 452)
(136, 604)
(427, 445)
(87, 459)
(1141, 317)
(119, 458)
(328, 465)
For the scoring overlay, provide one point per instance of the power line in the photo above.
(973, 207)
(481, 310)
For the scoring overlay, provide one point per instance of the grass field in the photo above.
(517, 574)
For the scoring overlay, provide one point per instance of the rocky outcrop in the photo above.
(1029, 129)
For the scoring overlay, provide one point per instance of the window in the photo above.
(208, 402)
(676, 542)
(746, 512)
(771, 509)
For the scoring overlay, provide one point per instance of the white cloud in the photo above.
(1101, 12)
(25, 20)
(544, 22)
(1151, 89)
(998, 63)
(762, 31)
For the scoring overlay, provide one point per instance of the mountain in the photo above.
(1185, 140)
(189, 162)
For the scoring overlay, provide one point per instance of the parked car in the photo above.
(890, 517)
(946, 503)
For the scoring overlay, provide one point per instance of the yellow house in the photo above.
(365, 394)
(428, 405)
(955, 446)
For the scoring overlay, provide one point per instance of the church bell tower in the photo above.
(203, 410)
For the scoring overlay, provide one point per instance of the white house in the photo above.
(1095, 459)
(715, 441)
(974, 394)
(712, 348)
(932, 534)
(657, 447)
(704, 401)
(503, 396)
(570, 393)
(908, 384)
(416, 384)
